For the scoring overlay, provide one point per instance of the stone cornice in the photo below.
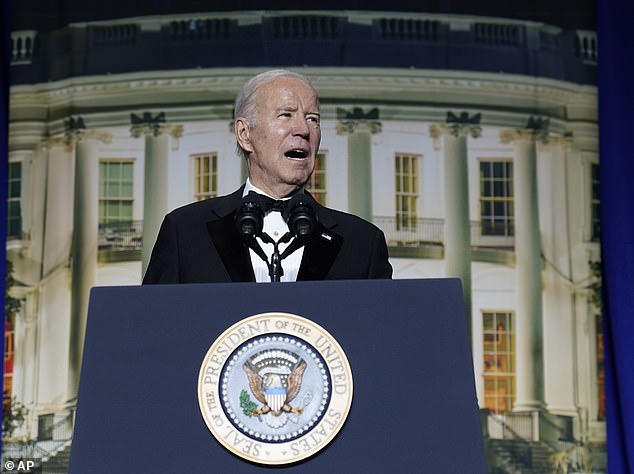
(209, 94)
(249, 17)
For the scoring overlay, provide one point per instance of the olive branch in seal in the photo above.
(248, 406)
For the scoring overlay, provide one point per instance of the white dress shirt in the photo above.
(276, 228)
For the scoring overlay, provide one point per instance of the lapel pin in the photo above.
(326, 236)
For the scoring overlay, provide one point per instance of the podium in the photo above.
(414, 407)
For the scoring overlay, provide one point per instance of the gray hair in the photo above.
(245, 104)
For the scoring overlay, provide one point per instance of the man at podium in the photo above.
(270, 229)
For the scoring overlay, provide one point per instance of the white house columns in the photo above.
(529, 343)
(359, 126)
(85, 237)
(155, 204)
(457, 238)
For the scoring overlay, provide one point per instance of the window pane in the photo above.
(317, 183)
(113, 171)
(498, 361)
(406, 187)
(127, 171)
(15, 170)
(126, 211)
(15, 189)
(126, 190)
(116, 190)
(205, 171)
(496, 197)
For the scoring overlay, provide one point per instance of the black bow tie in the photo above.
(267, 203)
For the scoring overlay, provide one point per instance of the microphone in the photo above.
(299, 214)
(249, 220)
(301, 218)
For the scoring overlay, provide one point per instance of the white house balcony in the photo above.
(424, 238)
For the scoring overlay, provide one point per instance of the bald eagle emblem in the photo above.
(275, 379)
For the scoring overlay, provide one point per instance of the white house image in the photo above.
(471, 171)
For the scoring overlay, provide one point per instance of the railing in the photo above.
(549, 42)
(305, 27)
(60, 431)
(50, 442)
(524, 434)
(518, 426)
(416, 232)
(197, 29)
(586, 47)
(121, 235)
(23, 450)
(520, 450)
(422, 231)
(114, 35)
(114, 46)
(497, 34)
(402, 29)
(24, 46)
(534, 426)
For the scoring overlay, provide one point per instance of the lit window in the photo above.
(496, 198)
(594, 202)
(9, 335)
(205, 176)
(406, 186)
(600, 367)
(317, 183)
(499, 361)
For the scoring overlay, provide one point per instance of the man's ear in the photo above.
(242, 132)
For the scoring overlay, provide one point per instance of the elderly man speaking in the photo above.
(270, 229)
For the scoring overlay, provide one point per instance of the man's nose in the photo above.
(301, 127)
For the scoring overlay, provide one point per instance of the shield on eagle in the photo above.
(275, 379)
(275, 398)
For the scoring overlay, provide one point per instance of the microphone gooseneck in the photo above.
(299, 214)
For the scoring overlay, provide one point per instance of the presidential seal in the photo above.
(275, 388)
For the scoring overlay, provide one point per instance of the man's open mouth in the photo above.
(296, 154)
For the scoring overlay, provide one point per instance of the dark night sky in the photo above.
(52, 14)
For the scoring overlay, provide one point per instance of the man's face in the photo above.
(282, 142)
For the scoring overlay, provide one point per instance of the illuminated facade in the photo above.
(483, 167)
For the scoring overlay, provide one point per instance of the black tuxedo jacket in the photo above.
(198, 243)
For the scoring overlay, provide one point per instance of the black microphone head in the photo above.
(249, 219)
(301, 218)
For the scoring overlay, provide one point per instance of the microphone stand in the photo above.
(275, 265)
(249, 222)
(253, 244)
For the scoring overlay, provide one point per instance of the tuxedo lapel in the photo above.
(319, 253)
(321, 250)
(233, 253)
